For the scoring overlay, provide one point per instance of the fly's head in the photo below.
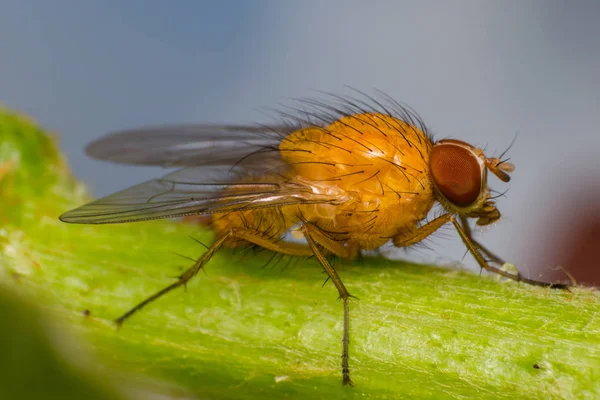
(459, 174)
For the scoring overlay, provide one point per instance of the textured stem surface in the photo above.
(248, 331)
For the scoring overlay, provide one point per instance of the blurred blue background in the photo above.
(476, 70)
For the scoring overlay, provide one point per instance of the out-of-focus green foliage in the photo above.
(249, 331)
(30, 365)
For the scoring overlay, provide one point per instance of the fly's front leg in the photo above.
(483, 263)
(465, 225)
(314, 236)
(421, 233)
(424, 231)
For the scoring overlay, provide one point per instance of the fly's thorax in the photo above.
(368, 152)
(380, 162)
(383, 216)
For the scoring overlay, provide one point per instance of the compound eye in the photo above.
(456, 173)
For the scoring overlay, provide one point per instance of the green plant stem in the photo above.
(244, 330)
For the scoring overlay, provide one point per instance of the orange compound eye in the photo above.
(456, 173)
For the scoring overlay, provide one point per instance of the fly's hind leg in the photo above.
(181, 281)
(314, 237)
(283, 248)
(427, 229)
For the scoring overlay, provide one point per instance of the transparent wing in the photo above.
(191, 145)
(197, 190)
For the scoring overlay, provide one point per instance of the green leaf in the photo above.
(246, 330)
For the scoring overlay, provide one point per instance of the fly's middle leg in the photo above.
(314, 239)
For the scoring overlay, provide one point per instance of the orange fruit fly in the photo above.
(353, 174)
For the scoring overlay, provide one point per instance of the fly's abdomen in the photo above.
(268, 223)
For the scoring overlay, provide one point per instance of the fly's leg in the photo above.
(333, 246)
(284, 248)
(465, 225)
(422, 232)
(427, 229)
(314, 236)
(483, 263)
(181, 281)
